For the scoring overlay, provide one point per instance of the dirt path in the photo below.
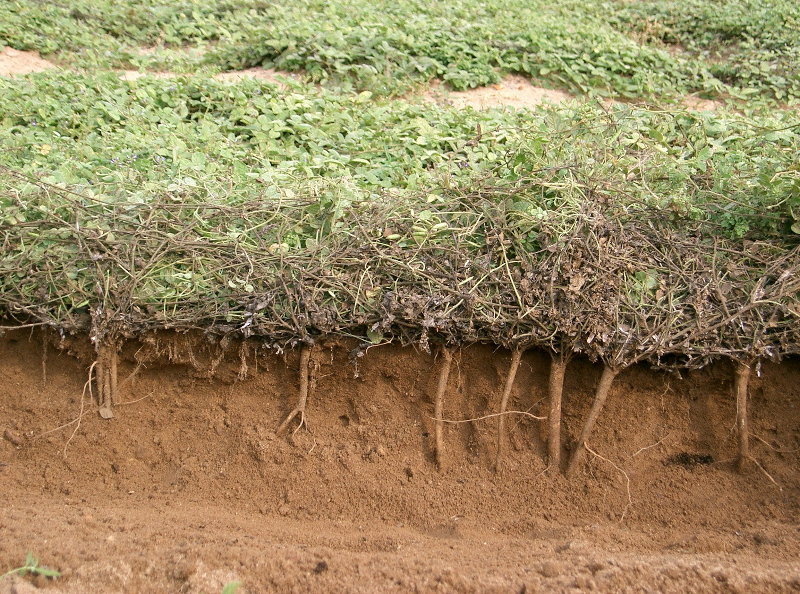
(188, 488)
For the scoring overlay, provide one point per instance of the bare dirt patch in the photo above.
(188, 487)
(137, 74)
(15, 62)
(513, 91)
(268, 74)
(265, 74)
(700, 104)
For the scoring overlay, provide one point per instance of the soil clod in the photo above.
(689, 460)
(12, 437)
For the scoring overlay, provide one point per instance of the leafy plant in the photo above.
(747, 49)
(32, 567)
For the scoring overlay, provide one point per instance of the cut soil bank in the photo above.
(189, 488)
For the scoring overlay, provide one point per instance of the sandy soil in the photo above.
(513, 91)
(265, 74)
(14, 62)
(188, 488)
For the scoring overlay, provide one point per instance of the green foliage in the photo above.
(751, 45)
(741, 47)
(109, 187)
(200, 140)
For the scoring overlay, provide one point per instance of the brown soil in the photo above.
(14, 62)
(137, 74)
(187, 488)
(513, 91)
(700, 104)
(266, 74)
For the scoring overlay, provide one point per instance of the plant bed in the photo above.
(620, 234)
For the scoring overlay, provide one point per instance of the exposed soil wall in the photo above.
(188, 487)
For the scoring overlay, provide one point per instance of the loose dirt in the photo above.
(268, 74)
(265, 74)
(700, 104)
(14, 62)
(513, 91)
(188, 488)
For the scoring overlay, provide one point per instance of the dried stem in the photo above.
(600, 396)
(300, 408)
(516, 357)
(444, 374)
(558, 366)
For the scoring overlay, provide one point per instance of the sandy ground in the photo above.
(189, 489)
(14, 62)
(513, 91)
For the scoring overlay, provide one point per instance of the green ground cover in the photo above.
(243, 208)
(625, 232)
(746, 49)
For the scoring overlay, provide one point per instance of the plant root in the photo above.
(624, 475)
(558, 366)
(44, 357)
(87, 385)
(742, 421)
(516, 357)
(600, 396)
(444, 374)
(299, 410)
(105, 372)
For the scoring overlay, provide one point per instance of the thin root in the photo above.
(624, 474)
(44, 358)
(87, 385)
(523, 413)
